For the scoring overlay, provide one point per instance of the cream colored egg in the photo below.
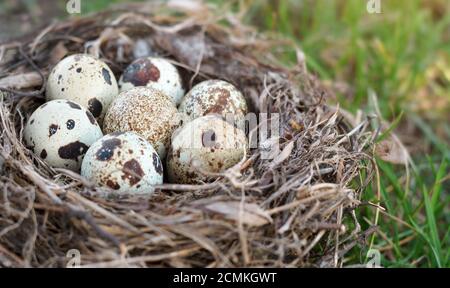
(146, 111)
(124, 162)
(60, 132)
(214, 97)
(85, 80)
(206, 144)
(156, 73)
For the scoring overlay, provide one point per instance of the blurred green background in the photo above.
(395, 63)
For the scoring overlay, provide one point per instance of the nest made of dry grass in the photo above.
(293, 211)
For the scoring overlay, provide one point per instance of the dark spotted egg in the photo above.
(157, 73)
(60, 132)
(85, 80)
(205, 145)
(124, 162)
(214, 97)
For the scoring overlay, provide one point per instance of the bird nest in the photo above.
(295, 208)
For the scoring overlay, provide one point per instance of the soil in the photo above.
(21, 17)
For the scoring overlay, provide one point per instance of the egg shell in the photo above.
(124, 162)
(60, 132)
(214, 97)
(208, 144)
(85, 80)
(156, 73)
(146, 111)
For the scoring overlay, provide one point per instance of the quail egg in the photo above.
(146, 111)
(206, 144)
(214, 97)
(156, 73)
(85, 80)
(60, 132)
(125, 162)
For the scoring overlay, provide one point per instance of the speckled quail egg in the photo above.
(214, 97)
(85, 80)
(206, 144)
(146, 111)
(125, 162)
(60, 132)
(156, 73)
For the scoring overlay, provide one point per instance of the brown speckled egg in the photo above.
(124, 162)
(85, 80)
(60, 132)
(207, 144)
(214, 97)
(156, 73)
(146, 111)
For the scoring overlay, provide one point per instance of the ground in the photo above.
(394, 64)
